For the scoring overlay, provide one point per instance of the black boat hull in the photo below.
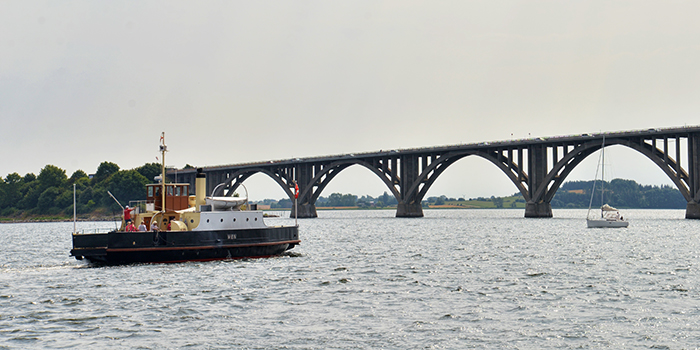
(179, 246)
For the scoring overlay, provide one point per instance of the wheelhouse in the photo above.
(177, 196)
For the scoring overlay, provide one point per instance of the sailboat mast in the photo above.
(602, 176)
(595, 180)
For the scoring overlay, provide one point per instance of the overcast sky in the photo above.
(82, 82)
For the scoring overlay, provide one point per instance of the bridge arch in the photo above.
(324, 177)
(428, 177)
(563, 168)
(308, 195)
(235, 179)
(668, 165)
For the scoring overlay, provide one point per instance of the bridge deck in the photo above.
(537, 166)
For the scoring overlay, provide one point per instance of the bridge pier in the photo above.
(409, 210)
(692, 210)
(306, 211)
(538, 210)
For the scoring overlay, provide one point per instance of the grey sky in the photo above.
(83, 82)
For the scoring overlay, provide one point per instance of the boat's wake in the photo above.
(42, 267)
(292, 254)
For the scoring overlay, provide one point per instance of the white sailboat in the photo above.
(609, 216)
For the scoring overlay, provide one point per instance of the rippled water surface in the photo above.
(365, 279)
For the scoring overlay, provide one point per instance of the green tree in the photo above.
(2, 193)
(101, 198)
(627, 193)
(149, 171)
(349, 200)
(104, 171)
(29, 177)
(342, 200)
(30, 193)
(82, 183)
(47, 198)
(497, 201)
(85, 208)
(64, 200)
(77, 175)
(386, 200)
(664, 197)
(128, 185)
(335, 199)
(51, 176)
(13, 183)
(85, 195)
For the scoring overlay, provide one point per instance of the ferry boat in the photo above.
(180, 227)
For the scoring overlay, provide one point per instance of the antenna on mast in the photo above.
(163, 149)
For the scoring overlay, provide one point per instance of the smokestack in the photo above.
(200, 188)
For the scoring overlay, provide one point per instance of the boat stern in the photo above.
(92, 246)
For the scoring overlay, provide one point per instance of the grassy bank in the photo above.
(97, 215)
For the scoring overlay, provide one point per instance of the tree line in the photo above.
(574, 194)
(339, 200)
(618, 193)
(51, 192)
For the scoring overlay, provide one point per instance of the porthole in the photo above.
(191, 221)
(246, 219)
(234, 219)
(222, 219)
(256, 219)
(207, 221)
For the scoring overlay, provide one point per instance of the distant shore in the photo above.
(52, 219)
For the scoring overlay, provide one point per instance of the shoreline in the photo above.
(39, 220)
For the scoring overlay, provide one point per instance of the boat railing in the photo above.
(88, 231)
(140, 206)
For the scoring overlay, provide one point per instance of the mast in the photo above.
(595, 179)
(163, 149)
(602, 177)
(74, 212)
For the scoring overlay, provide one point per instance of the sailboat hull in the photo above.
(606, 223)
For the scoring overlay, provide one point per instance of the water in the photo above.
(364, 279)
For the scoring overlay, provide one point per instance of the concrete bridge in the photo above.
(537, 167)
